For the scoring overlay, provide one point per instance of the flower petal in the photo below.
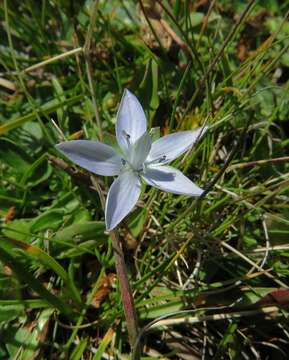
(138, 152)
(94, 156)
(174, 145)
(131, 120)
(122, 197)
(169, 179)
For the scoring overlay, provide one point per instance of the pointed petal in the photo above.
(131, 120)
(93, 156)
(174, 145)
(122, 197)
(138, 152)
(169, 179)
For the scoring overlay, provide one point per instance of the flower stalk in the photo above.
(125, 289)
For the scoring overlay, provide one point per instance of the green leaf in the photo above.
(12, 155)
(148, 89)
(38, 172)
(79, 349)
(46, 109)
(196, 18)
(27, 303)
(18, 229)
(26, 339)
(51, 219)
(26, 277)
(160, 310)
(10, 312)
(49, 262)
(228, 337)
(103, 344)
(80, 232)
(61, 97)
(78, 250)
(137, 222)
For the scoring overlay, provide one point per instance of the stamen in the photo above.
(127, 137)
(157, 161)
(123, 162)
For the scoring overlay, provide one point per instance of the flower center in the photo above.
(142, 168)
(128, 166)
(134, 157)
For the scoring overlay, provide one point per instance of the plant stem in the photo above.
(125, 289)
(86, 51)
(53, 59)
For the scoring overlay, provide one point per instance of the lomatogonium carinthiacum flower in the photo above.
(137, 159)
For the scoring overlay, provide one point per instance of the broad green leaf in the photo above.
(18, 229)
(13, 155)
(91, 230)
(85, 247)
(51, 219)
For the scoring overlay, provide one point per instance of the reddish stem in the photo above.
(125, 289)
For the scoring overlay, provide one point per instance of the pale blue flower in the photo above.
(137, 159)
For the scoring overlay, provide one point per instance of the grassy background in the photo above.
(189, 62)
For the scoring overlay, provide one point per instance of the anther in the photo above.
(123, 162)
(157, 161)
(127, 137)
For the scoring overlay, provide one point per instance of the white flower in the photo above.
(138, 158)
